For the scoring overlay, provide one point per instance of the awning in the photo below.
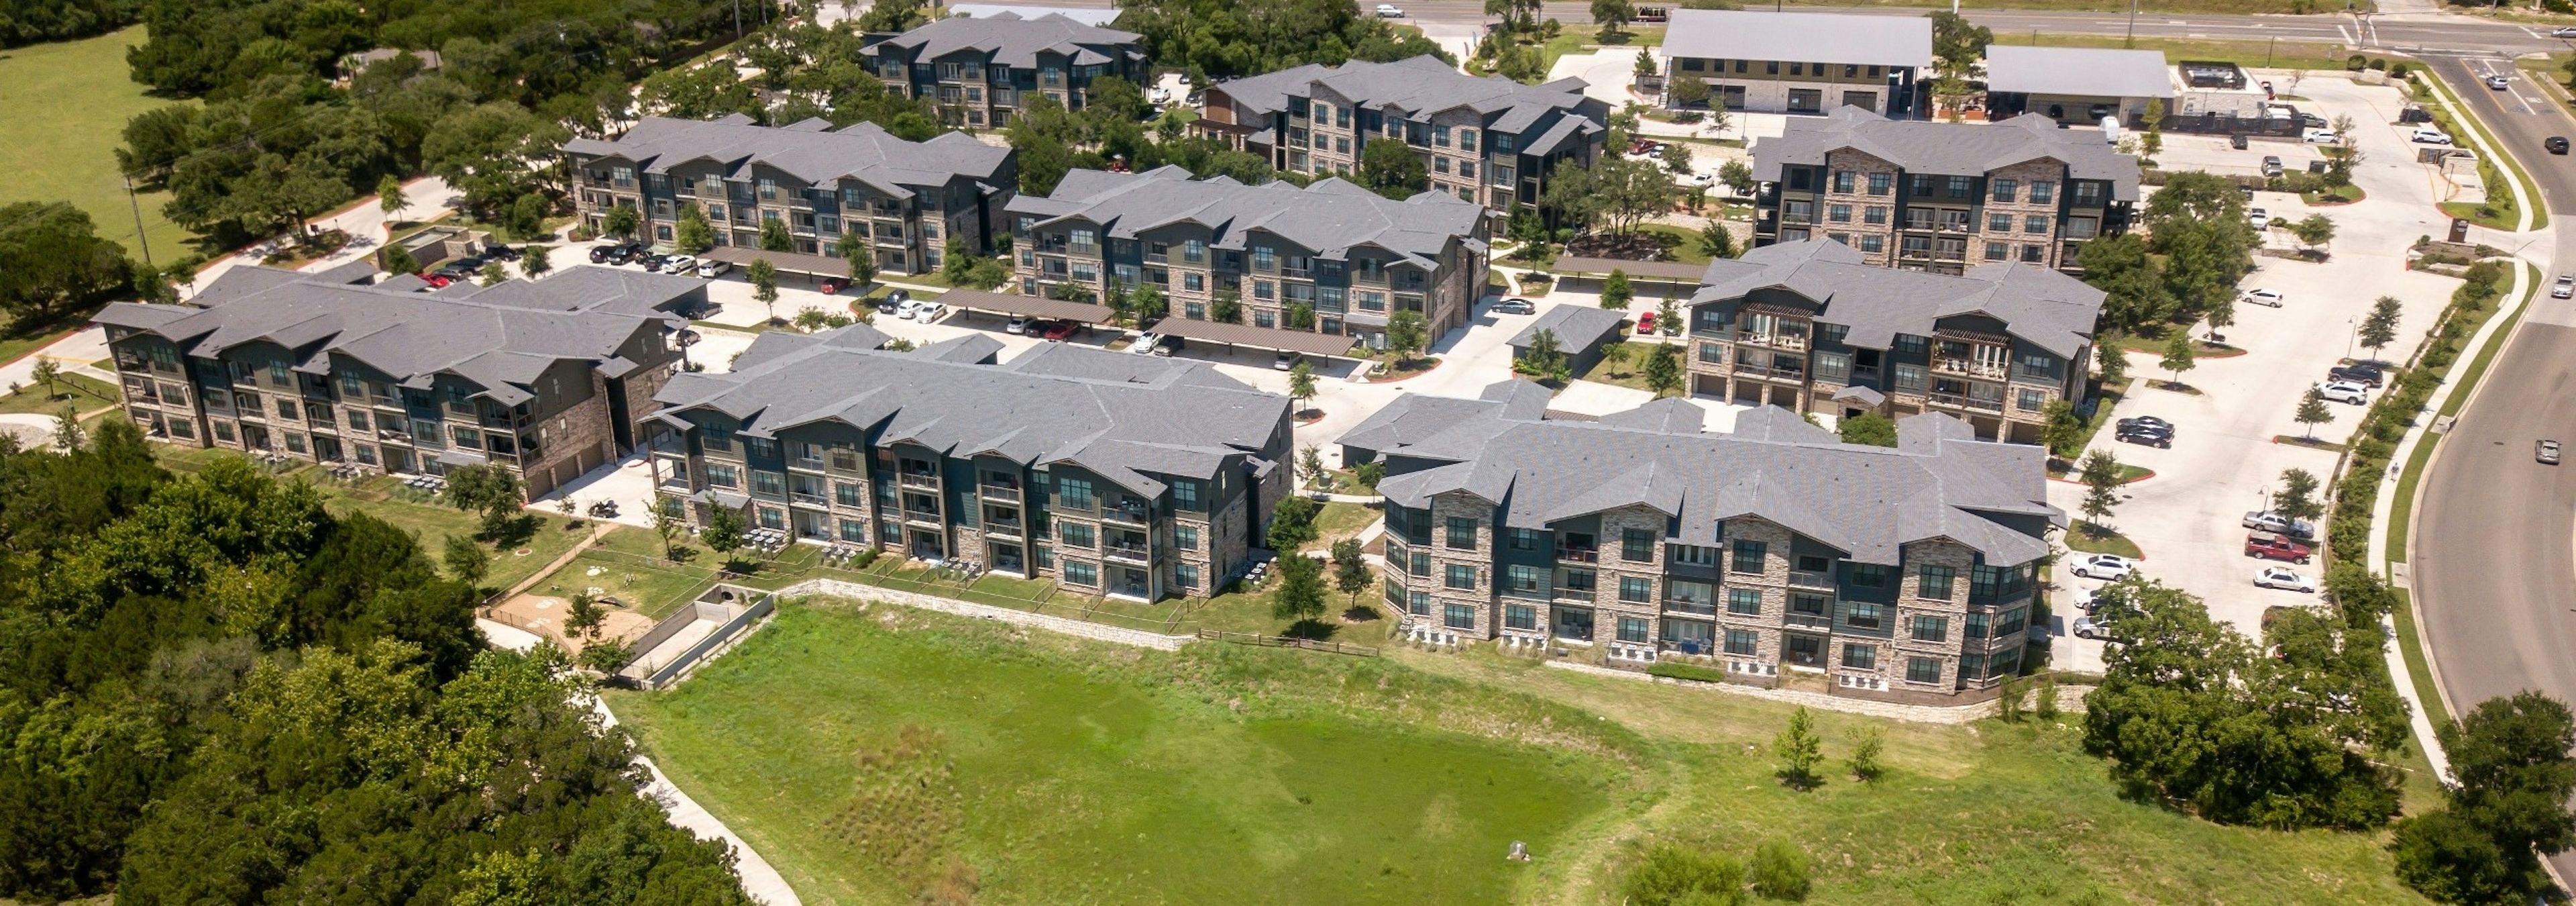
(1031, 306)
(1650, 270)
(1252, 337)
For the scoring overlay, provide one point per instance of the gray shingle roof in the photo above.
(1061, 405)
(1329, 217)
(2083, 71)
(1864, 501)
(1418, 87)
(809, 150)
(1012, 40)
(501, 337)
(1805, 37)
(1954, 149)
(2043, 307)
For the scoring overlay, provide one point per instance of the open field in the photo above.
(64, 106)
(872, 753)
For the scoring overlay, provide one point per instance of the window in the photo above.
(2006, 190)
(1862, 615)
(1922, 670)
(1186, 537)
(1977, 625)
(1633, 629)
(1637, 545)
(1458, 616)
(1743, 642)
(1860, 657)
(1934, 581)
(1748, 556)
(1744, 601)
(1520, 616)
(1186, 575)
(1079, 573)
(1460, 576)
(1636, 590)
(1462, 533)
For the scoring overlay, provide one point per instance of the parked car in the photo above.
(2546, 452)
(1389, 11)
(2498, 82)
(2107, 567)
(2345, 392)
(1646, 324)
(2270, 298)
(1284, 361)
(2564, 287)
(1059, 331)
(2144, 435)
(2322, 137)
(1514, 306)
(2284, 579)
(2363, 373)
(2557, 144)
(928, 310)
(2272, 521)
(2427, 135)
(2276, 546)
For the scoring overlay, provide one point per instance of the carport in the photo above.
(1250, 337)
(1038, 307)
(1587, 274)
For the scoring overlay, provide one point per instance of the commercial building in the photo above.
(1941, 196)
(829, 186)
(1768, 553)
(1813, 327)
(1332, 257)
(1131, 476)
(545, 378)
(1492, 141)
(2076, 85)
(1782, 62)
(981, 70)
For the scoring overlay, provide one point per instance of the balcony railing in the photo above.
(1953, 399)
(1000, 491)
(1578, 555)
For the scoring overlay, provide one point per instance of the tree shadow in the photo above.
(1310, 629)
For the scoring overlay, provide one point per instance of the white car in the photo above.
(2345, 392)
(1388, 11)
(928, 310)
(681, 265)
(1019, 325)
(2284, 579)
(2265, 297)
(2564, 288)
(2106, 567)
(2322, 137)
(2427, 135)
(712, 268)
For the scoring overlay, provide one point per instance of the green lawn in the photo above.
(66, 105)
(868, 754)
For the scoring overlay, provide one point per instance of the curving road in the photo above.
(2493, 551)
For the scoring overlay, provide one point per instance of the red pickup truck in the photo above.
(2270, 546)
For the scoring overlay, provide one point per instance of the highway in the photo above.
(2494, 542)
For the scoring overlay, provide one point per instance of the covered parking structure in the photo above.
(1250, 337)
(1038, 307)
(1648, 279)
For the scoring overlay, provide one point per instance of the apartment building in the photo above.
(1332, 257)
(830, 186)
(1783, 62)
(1812, 326)
(1941, 196)
(980, 70)
(1138, 477)
(1771, 553)
(546, 378)
(1492, 141)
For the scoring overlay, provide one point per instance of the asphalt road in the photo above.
(2494, 540)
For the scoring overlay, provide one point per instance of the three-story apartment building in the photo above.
(1782, 62)
(1492, 141)
(1132, 476)
(1770, 552)
(1813, 327)
(1942, 196)
(982, 70)
(546, 378)
(829, 186)
(1332, 257)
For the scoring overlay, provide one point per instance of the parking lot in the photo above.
(2223, 460)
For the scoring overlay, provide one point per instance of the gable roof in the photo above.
(2038, 305)
(1956, 149)
(1419, 86)
(1865, 501)
(1013, 40)
(810, 150)
(1807, 37)
(1329, 217)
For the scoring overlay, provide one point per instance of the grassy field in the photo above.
(65, 105)
(873, 755)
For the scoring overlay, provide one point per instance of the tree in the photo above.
(1301, 381)
(1292, 524)
(48, 370)
(1716, 240)
(1867, 429)
(862, 262)
(1673, 876)
(1799, 751)
(2379, 328)
(694, 235)
(1350, 569)
(1391, 169)
(2100, 473)
(2312, 412)
(764, 284)
(2178, 356)
(2508, 812)
(1614, 15)
(2298, 496)
(1737, 175)
(723, 531)
(1226, 307)
(1406, 334)
(1780, 869)
(774, 237)
(389, 195)
(1545, 360)
(1301, 588)
(1616, 291)
(1664, 369)
(2314, 230)
(622, 222)
(533, 260)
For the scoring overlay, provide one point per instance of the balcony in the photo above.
(1989, 370)
(993, 491)
(1578, 555)
(1953, 399)
(1133, 553)
(920, 479)
(1799, 578)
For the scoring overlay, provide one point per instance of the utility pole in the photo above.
(138, 220)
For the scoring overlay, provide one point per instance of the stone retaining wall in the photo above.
(2070, 699)
(837, 588)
